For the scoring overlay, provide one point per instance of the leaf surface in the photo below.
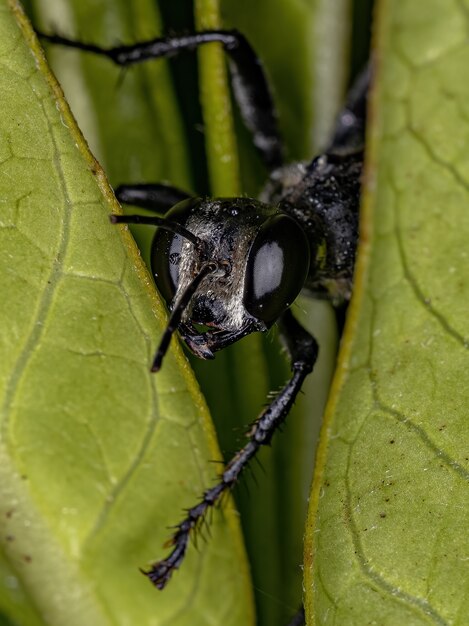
(387, 540)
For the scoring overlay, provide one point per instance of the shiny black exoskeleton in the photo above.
(231, 266)
(264, 258)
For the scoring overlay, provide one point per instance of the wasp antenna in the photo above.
(161, 222)
(70, 43)
(178, 310)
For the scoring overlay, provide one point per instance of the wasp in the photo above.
(228, 267)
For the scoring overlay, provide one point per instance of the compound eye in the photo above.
(166, 250)
(277, 266)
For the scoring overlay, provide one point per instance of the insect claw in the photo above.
(159, 575)
(160, 572)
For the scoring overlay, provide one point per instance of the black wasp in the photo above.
(235, 265)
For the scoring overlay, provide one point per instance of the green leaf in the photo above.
(97, 456)
(387, 541)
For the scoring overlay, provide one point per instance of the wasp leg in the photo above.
(303, 350)
(250, 85)
(155, 197)
(349, 130)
